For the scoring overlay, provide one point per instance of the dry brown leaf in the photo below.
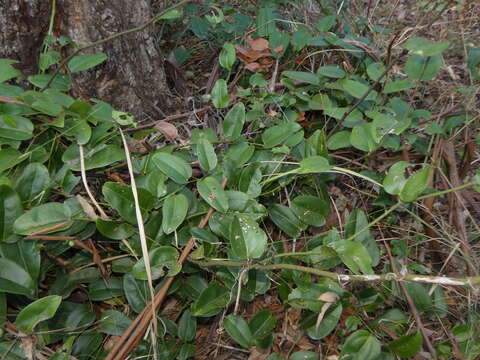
(279, 49)
(166, 129)
(253, 66)
(87, 207)
(258, 44)
(255, 354)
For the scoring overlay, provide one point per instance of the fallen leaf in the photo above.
(258, 44)
(255, 67)
(167, 129)
(87, 207)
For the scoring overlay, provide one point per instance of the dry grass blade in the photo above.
(143, 238)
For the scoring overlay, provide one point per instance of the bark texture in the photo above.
(132, 79)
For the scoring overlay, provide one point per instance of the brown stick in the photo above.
(132, 336)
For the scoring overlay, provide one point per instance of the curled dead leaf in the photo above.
(258, 44)
(167, 129)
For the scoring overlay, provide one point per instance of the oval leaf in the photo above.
(40, 310)
(174, 211)
(212, 192)
(233, 122)
(54, 216)
(206, 155)
(238, 329)
(87, 61)
(173, 166)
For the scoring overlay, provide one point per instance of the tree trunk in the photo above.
(132, 79)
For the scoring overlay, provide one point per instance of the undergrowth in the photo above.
(323, 203)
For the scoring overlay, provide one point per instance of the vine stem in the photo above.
(112, 37)
(428, 279)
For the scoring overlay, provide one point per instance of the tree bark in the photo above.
(133, 77)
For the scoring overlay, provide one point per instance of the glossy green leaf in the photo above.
(10, 209)
(116, 230)
(86, 61)
(238, 329)
(33, 181)
(407, 346)
(354, 255)
(187, 325)
(328, 324)
(204, 235)
(120, 197)
(395, 179)
(36, 312)
(206, 155)
(61, 82)
(220, 98)
(7, 71)
(331, 71)
(136, 291)
(247, 239)
(14, 279)
(25, 253)
(212, 192)
(286, 220)
(362, 137)
(250, 181)
(423, 68)
(98, 157)
(160, 258)
(113, 322)
(262, 324)
(10, 157)
(356, 223)
(275, 135)
(302, 76)
(415, 185)
(173, 166)
(310, 209)
(99, 291)
(361, 345)
(15, 127)
(425, 47)
(339, 140)
(314, 164)
(174, 211)
(233, 122)
(56, 216)
(399, 85)
(211, 301)
(227, 55)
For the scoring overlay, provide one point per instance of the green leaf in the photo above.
(120, 197)
(99, 291)
(247, 239)
(233, 122)
(84, 62)
(187, 326)
(212, 192)
(314, 164)
(361, 345)
(206, 155)
(10, 157)
(304, 355)
(415, 185)
(375, 70)
(211, 301)
(113, 322)
(358, 89)
(170, 15)
(302, 76)
(100, 156)
(238, 329)
(286, 220)
(399, 85)
(15, 127)
(220, 98)
(423, 68)
(173, 166)
(227, 56)
(331, 71)
(25, 253)
(320, 102)
(51, 215)
(136, 291)
(7, 71)
(395, 179)
(420, 296)
(362, 137)
(326, 23)
(339, 140)
(250, 181)
(10, 209)
(275, 135)
(262, 324)
(33, 181)
(48, 59)
(310, 209)
(14, 279)
(424, 47)
(328, 324)
(61, 82)
(40, 310)
(407, 346)
(161, 257)
(174, 211)
(357, 221)
(354, 255)
(116, 230)
(204, 235)
(473, 62)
